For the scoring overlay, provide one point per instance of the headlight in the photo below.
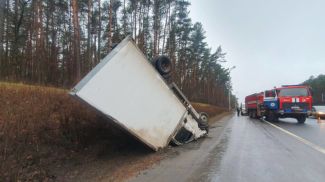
(272, 104)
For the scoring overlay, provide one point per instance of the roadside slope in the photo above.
(47, 135)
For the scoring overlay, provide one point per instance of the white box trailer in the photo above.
(127, 89)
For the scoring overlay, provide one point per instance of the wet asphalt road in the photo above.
(244, 149)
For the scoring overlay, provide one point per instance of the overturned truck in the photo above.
(133, 92)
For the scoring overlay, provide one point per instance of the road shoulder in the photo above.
(184, 160)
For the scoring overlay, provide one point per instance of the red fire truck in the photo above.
(288, 101)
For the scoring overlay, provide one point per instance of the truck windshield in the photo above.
(293, 92)
(270, 93)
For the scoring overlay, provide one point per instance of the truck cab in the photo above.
(271, 99)
(270, 105)
(292, 101)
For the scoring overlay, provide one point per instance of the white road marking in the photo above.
(310, 144)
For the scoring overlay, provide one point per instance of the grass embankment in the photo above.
(47, 135)
(34, 121)
(209, 109)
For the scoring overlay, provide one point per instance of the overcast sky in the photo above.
(271, 42)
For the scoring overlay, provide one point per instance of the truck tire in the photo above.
(272, 117)
(254, 114)
(204, 117)
(301, 119)
(204, 122)
(164, 65)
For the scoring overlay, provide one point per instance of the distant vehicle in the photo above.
(243, 110)
(289, 101)
(318, 112)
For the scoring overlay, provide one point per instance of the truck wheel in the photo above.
(204, 122)
(301, 119)
(204, 117)
(254, 115)
(272, 117)
(163, 64)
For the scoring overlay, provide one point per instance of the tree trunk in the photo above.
(76, 41)
(155, 27)
(2, 25)
(167, 21)
(110, 26)
(99, 31)
(89, 38)
(135, 21)
(41, 50)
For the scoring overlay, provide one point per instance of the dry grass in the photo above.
(33, 117)
(45, 135)
(209, 109)
(39, 125)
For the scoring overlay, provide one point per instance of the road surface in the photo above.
(244, 149)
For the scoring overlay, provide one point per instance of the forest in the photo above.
(317, 85)
(56, 42)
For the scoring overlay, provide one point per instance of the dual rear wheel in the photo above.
(272, 117)
(253, 114)
(301, 119)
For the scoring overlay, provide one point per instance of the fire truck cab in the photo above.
(294, 101)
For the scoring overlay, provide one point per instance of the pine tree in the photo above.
(57, 42)
(76, 41)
